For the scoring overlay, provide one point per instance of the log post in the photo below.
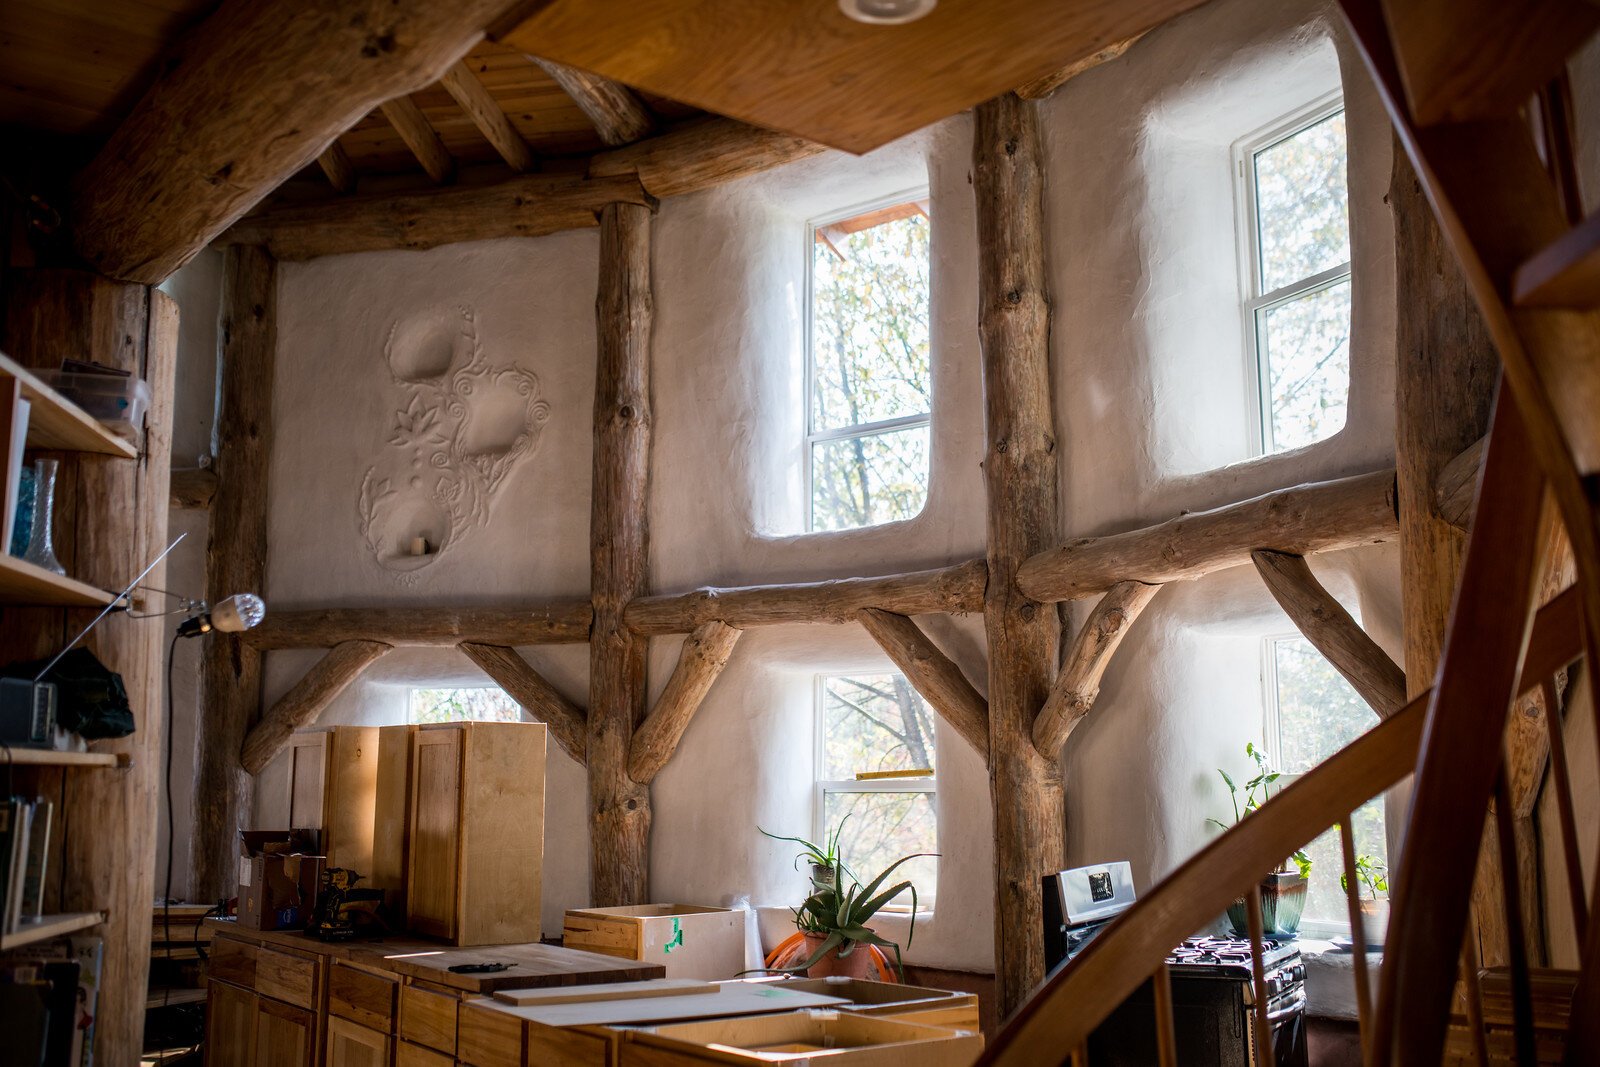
(619, 807)
(1020, 482)
(1332, 631)
(111, 519)
(236, 557)
(932, 674)
(538, 697)
(705, 652)
(310, 696)
(1076, 687)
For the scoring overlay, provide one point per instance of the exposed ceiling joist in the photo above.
(480, 106)
(423, 140)
(619, 116)
(245, 99)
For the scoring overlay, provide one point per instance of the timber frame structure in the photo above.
(173, 179)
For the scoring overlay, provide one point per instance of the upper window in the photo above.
(473, 704)
(868, 386)
(876, 765)
(1296, 215)
(1312, 712)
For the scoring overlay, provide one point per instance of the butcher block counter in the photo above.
(280, 997)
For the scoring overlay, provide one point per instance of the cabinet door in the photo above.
(353, 1045)
(230, 1026)
(285, 1035)
(435, 832)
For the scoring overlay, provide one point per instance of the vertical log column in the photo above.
(236, 562)
(111, 520)
(1020, 479)
(619, 807)
(1445, 369)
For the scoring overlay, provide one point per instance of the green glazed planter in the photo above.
(1283, 899)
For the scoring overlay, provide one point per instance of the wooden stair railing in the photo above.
(1058, 1019)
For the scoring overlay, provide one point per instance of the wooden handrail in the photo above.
(1077, 997)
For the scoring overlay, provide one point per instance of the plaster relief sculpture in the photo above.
(459, 428)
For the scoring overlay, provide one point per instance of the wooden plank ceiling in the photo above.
(803, 67)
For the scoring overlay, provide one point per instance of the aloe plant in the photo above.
(839, 906)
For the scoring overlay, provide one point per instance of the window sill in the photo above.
(1330, 978)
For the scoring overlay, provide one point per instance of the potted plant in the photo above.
(833, 936)
(1283, 892)
(1373, 874)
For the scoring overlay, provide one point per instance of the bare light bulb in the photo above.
(231, 615)
(886, 12)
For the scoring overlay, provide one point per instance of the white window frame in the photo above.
(824, 786)
(813, 436)
(1254, 302)
(1272, 734)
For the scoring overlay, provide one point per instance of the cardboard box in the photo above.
(810, 1038)
(280, 873)
(690, 941)
(908, 1003)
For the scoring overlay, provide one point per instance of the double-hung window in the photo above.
(868, 387)
(462, 704)
(876, 773)
(1295, 244)
(1312, 712)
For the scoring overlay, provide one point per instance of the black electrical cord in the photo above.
(166, 893)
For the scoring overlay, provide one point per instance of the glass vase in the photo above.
(41, 542)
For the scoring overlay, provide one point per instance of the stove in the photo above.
(1213, 983)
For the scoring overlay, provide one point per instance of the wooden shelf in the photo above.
(56, 422)
(171, 998)
(52, 926)
(23, 583)
(44, 757)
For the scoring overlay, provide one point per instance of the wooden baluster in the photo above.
(1517, 947)
(1358, 936)
(1569, 823)
(1080, 1056)
(1259, 975)
(1474, 996)
(1166, 1040)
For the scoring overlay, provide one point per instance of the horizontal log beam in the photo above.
(526, 206)
(705, 653)
(932, 674)
(301, 705)
(553, 622)
(1073, 695)
(1332, 631)
(956, 589)
(701, 154)
(567, 721)
(1455, 494)
(242, 101)
(1315, 517)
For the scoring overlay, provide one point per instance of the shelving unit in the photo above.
(23, 583)
(56, 422)
(52, 926)
(44, 757)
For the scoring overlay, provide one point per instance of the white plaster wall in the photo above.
(1142, 440)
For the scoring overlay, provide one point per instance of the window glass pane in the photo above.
(1305, 343)
(479, 704)
(874, 722)
(1318, 711)
(1325, 897)
(882, 828)
(869, 332)
(1301, 204)
(863, 481)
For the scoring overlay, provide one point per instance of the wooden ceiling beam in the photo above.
(698, 155)
(244, 100)
(481, 107)
(618, 115)
(562, 621)
(1043, 87)
(340, 172)
(420, 136)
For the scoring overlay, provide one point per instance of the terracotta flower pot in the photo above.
(858, 964)
(1374, 921)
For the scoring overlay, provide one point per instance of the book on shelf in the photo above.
(14, 425)
(55, 988)
(25, 852)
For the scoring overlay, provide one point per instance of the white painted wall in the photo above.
(1148, 379)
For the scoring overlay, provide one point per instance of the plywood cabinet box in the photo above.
(815, 1038)
(907, 1003)
(690, 941)
(326, 779)
(476, 832)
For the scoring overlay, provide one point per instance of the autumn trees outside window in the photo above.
(1295, 248)
(876, 764)
(462, 704)
(868, 386)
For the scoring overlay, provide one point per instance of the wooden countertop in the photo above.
(534, 966)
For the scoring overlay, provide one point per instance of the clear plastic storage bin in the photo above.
(116, 403)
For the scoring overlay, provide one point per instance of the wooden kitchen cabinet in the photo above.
(326, 779)
(477, 832)
(353, 1045)
(285, 1035)
(230, 1025)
